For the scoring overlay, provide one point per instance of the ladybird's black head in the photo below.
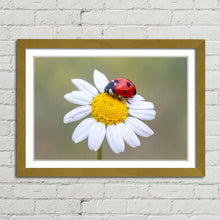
(110, 88)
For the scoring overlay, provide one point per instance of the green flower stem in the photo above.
(99, 153)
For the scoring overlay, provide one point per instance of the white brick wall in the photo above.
(109, 198)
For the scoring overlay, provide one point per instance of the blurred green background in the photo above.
(162, 81)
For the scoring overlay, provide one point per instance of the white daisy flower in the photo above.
(109, 116)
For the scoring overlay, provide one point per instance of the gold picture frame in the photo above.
(197, 45)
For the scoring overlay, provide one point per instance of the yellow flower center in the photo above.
(108, 109)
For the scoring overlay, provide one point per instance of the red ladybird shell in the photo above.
(124, 87)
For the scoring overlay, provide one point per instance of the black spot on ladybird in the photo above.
(128, 84)
(124, 91)
(116, 81)
(134, 92)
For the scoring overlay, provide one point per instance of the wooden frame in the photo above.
(198, 170)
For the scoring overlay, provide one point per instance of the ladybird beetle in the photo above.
(121, 87)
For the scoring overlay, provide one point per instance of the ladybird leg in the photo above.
(119, 98)
(114, 95)
(127, 100)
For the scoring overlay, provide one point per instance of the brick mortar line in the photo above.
(83, 24)
(101, 9)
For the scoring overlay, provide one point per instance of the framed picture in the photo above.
(120, 108)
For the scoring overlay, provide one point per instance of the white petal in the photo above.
(138, 127)
(77, 113)
(79, 98)
(141, 105)
(136, 98)
(128, 135)
(96, 136)
(84, 86)
(82, 130)
(143, 114)
(115, 139)
(100, 80)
